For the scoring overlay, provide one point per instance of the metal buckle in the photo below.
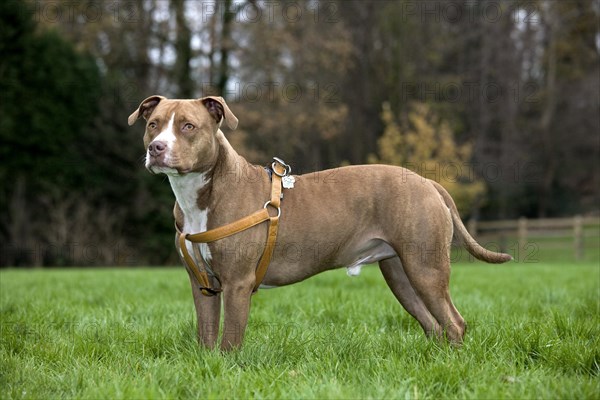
(288, 169)
(268, 203)
(209, 292)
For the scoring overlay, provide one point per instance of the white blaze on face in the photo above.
(167, 136)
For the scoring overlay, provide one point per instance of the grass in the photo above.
(130, 333)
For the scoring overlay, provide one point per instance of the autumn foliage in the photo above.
(425, 144)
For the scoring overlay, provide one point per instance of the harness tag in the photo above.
(288, 182)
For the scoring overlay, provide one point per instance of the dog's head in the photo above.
(180, 135)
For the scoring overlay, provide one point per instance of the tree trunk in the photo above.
(182, 73)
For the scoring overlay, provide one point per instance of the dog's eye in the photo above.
(152, 125)
(188, 127)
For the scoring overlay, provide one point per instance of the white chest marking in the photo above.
(195, 219)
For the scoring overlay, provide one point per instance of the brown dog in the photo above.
(344, 217)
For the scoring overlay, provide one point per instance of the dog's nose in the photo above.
(156, 148)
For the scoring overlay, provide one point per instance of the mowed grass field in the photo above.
(534, 332)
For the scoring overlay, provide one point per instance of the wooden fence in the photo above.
(577, 235)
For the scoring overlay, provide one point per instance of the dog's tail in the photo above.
(461, 232)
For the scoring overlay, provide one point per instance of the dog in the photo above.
(344, 217)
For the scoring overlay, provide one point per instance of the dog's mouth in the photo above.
(163, 168)
(167, 170)
(160, 165)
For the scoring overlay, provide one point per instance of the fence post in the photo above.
(522, 233)
(578, 237)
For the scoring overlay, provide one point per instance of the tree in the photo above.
(49, 93)
(182, 74)
(425, 144)
(289, 92)
(121, 38)
(567, 152)
(49, 96)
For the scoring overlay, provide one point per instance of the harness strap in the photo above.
(200, 274)
(232, 228)
(265, 259)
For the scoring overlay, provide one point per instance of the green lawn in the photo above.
(130, 333)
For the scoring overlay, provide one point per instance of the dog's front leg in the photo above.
(236, 300)
(208, 313)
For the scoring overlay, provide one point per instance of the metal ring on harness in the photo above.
(288, 169)
(268, 203)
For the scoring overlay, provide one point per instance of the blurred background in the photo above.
(497, 100)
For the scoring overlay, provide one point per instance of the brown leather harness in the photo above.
(280, 170)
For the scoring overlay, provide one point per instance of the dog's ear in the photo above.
(145, 109)
(218, 109)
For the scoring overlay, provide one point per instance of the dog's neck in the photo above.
(193, 190)
(186, 187)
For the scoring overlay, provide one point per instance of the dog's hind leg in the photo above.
(429, 274)
(396, 278)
